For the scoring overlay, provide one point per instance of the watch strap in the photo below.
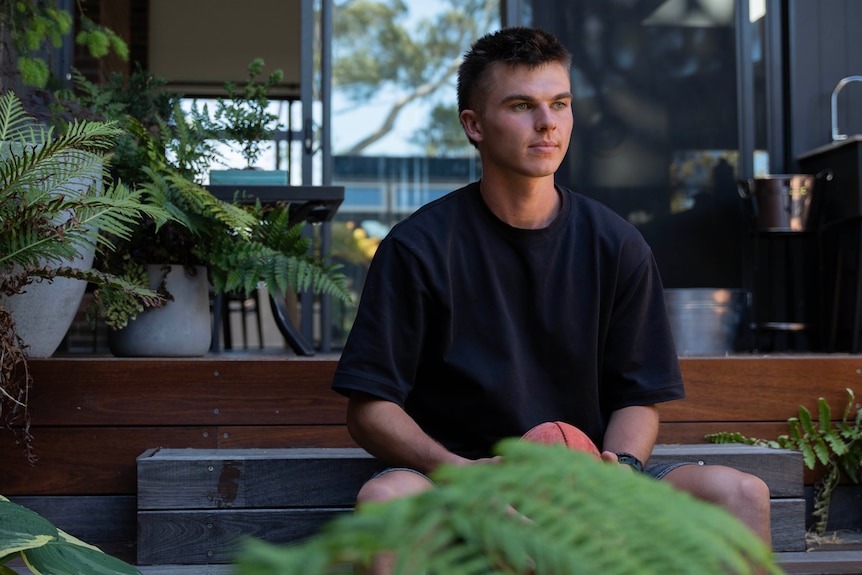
(629, 459)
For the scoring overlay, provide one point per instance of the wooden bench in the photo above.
(194, 505)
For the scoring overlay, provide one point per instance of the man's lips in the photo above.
(544, 146)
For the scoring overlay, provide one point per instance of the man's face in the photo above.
(524, 122)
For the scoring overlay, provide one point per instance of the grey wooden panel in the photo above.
(187, 569)
(200, 537)
(821, 563)
(245, 454)
(251, 478)
(781, 469)
(195, 502)
(203, 478)
(788, 524)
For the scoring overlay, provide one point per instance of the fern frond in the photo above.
(815, 440)
(13, 118)
(729, 437)
(851, 401)
(824, 416)
(239, 265)
(544, 510)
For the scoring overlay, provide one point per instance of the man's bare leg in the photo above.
(744, 495)
(391, 485)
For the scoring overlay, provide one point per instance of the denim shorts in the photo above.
(659, 470)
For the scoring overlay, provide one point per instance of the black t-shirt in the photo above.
(481, 330)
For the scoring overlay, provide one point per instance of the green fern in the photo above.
(44, 216)
(276, 253)
(544, 510)
(189, 204)
(735, 437)
(835, 447)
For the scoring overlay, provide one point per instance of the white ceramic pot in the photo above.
(180, 328)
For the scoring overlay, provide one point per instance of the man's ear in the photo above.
(472, 125)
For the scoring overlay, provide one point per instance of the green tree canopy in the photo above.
(381, 54)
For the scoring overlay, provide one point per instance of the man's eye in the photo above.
(522, 106)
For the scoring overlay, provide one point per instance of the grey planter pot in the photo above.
(181, 328)
(44, 312)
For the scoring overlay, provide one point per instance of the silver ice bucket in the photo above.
(706, 321)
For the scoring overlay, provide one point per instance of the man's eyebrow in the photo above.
(528, 98)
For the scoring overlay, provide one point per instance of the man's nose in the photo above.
(544, 119)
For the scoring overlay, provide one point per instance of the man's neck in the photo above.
(531, 206)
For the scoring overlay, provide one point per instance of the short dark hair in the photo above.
(513, 46)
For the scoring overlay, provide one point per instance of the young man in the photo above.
(513, 301)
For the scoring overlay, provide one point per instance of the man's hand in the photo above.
(495, 459)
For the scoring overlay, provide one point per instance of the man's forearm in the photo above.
(386, 431)
(632, 430)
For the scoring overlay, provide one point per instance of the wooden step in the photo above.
(194, 505)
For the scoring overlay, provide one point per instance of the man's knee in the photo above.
(736, 489)
(392, 485)
(722, 485)
(751, 490)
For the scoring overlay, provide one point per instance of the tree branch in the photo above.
(389, 121)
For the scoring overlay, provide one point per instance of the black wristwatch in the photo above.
(629, 459)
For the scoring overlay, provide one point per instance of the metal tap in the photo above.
(844, 81)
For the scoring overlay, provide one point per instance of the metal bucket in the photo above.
(781, 203)
(706, 321)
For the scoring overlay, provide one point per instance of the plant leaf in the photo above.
(62, 557)
(21, 528)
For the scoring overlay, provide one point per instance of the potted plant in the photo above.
(243, 121)
(240, 244)
(53, 205)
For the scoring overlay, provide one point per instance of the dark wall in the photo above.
(824, 45)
